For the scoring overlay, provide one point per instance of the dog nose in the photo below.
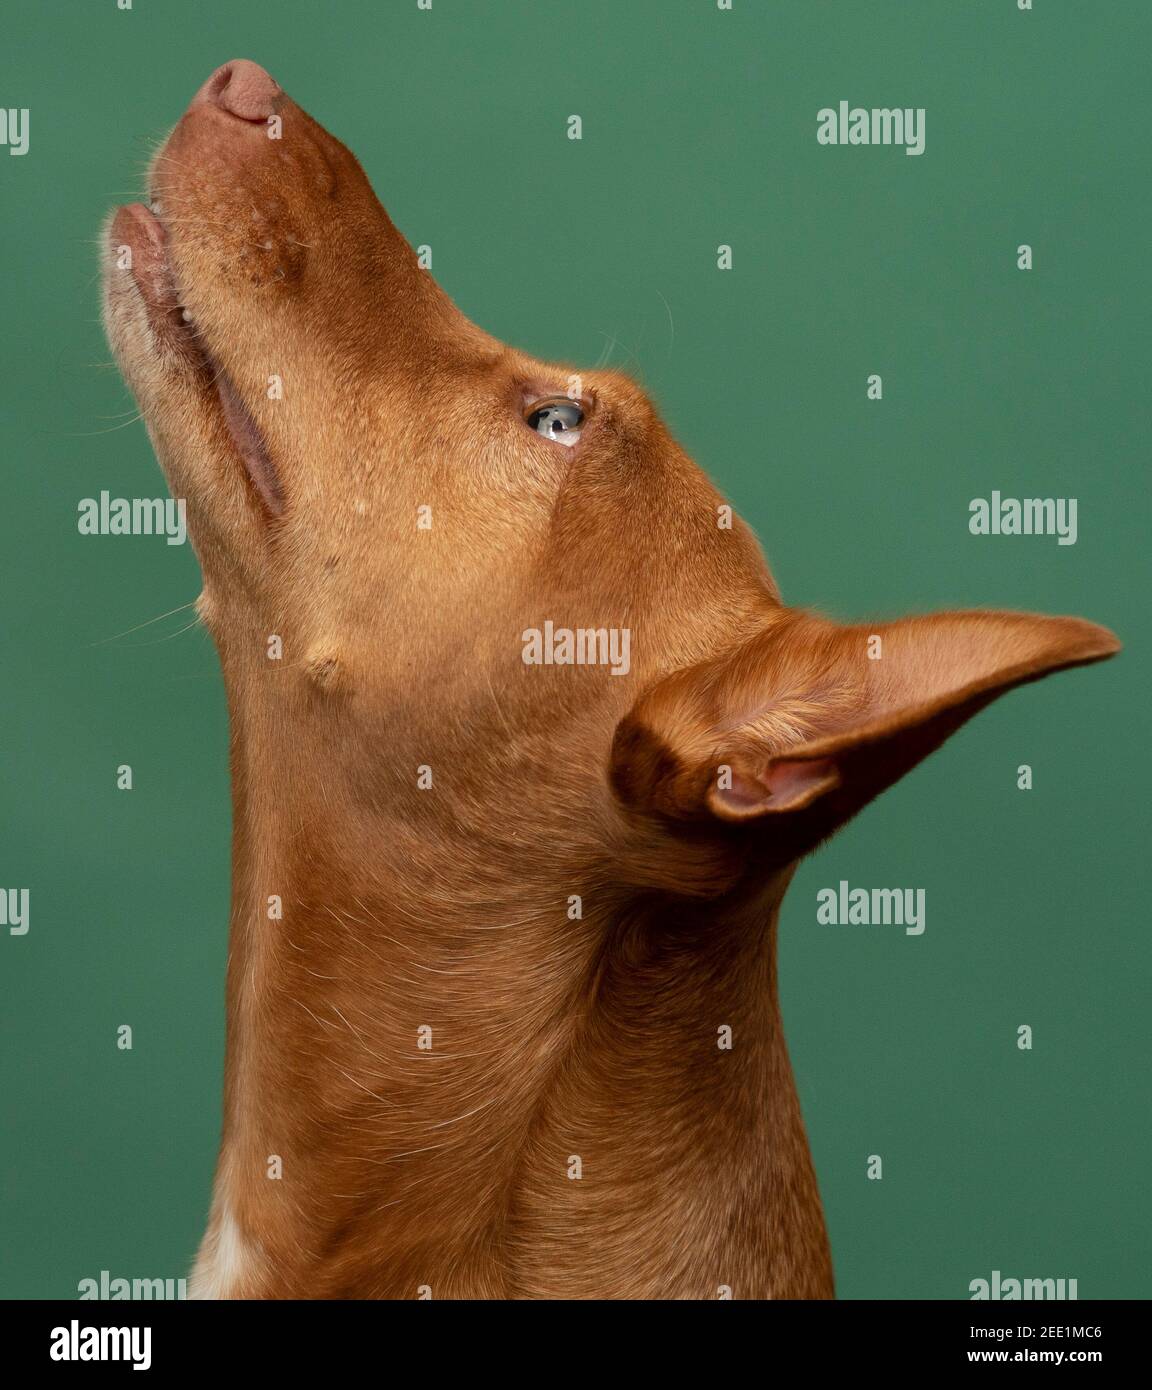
(242, 89)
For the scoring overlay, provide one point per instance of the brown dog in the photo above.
(525, 748)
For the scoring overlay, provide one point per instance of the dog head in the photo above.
(424, 549)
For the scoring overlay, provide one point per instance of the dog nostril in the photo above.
(243, 89)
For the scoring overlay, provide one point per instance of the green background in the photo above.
(699, 129)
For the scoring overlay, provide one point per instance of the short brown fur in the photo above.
(673, 801)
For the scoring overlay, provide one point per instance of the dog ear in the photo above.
(804, 724)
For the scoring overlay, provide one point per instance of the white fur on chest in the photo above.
(224, 1260)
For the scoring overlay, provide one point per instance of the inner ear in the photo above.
(785, 784)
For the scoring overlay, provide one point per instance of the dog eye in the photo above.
(558, 419)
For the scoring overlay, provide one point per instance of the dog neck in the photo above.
(460, 1057)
